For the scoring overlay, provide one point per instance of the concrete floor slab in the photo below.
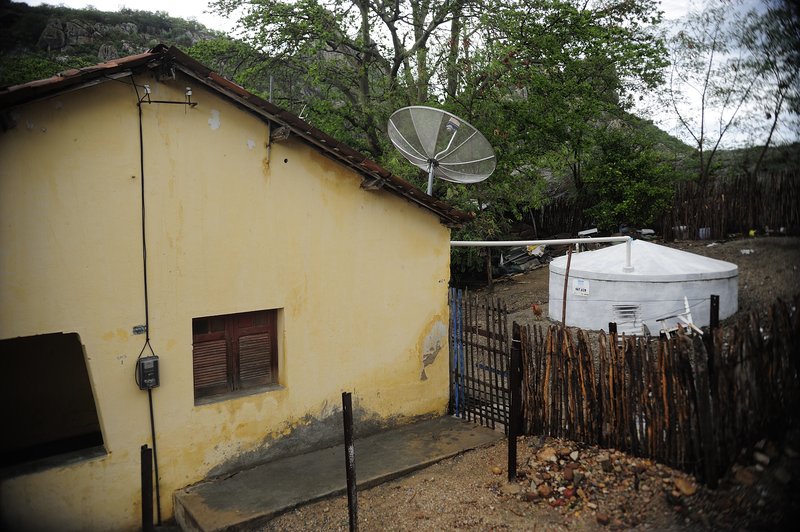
(243, 500)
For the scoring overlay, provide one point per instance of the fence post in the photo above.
(708, 340)
(147, 488)
(566, 284)
(515, 409)
(452, 407)
(714, 318)
(350, 460)
(705, 419)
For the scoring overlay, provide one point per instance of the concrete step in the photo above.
(253, 496)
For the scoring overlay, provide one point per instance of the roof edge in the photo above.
(374, 176)
(377, 176)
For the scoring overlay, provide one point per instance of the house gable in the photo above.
(354, 284)
(168, 61)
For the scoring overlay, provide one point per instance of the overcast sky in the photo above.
(196, 8)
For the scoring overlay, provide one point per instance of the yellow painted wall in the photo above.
(361, 278)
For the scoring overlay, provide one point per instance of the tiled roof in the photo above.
(374, 175)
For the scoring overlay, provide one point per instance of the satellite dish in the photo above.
(442, 144)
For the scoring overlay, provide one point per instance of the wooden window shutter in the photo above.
(210, 364)
(255, 359)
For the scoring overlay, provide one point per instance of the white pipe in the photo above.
(514, 243)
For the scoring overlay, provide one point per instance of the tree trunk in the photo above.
(419, 12)
(364, 93)
(452, 55)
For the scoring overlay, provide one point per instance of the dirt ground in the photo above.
(564, 485)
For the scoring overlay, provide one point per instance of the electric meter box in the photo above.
(147, 376)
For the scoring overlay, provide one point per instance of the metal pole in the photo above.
(155, 453)
(350, 460)
(514, 414)
(430, 178)
(710, 350)
(147, 488)
(553, 241)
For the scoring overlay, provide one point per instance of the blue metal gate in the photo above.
(480, 349)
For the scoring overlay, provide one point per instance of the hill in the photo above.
(780, 158)
(39, 41)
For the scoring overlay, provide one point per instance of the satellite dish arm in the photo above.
(450, 144)
(473, 161)
(457, 147)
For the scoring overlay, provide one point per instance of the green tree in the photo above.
(548, 75)
(234, 60)
(357, 60)
(628, 179)
(16, 69)
(537, 77)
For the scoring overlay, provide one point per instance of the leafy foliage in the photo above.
(539, 78)
(348, 63)
(235, 60)
(628, 181)
(545, 82)
(572, 65)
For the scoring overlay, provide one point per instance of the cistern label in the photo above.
(580, 287)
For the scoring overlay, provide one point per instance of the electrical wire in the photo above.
(140, 99)
(147, 344)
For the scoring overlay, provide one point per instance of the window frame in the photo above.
(208, 332)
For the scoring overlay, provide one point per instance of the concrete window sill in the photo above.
(237, 394)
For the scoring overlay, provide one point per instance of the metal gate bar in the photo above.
(480, 357)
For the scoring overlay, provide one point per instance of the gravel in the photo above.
(601, 489)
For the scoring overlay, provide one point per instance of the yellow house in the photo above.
(150, 207)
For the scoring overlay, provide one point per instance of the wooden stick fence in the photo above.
(673, 400)
(723, 205)
(735, 204)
